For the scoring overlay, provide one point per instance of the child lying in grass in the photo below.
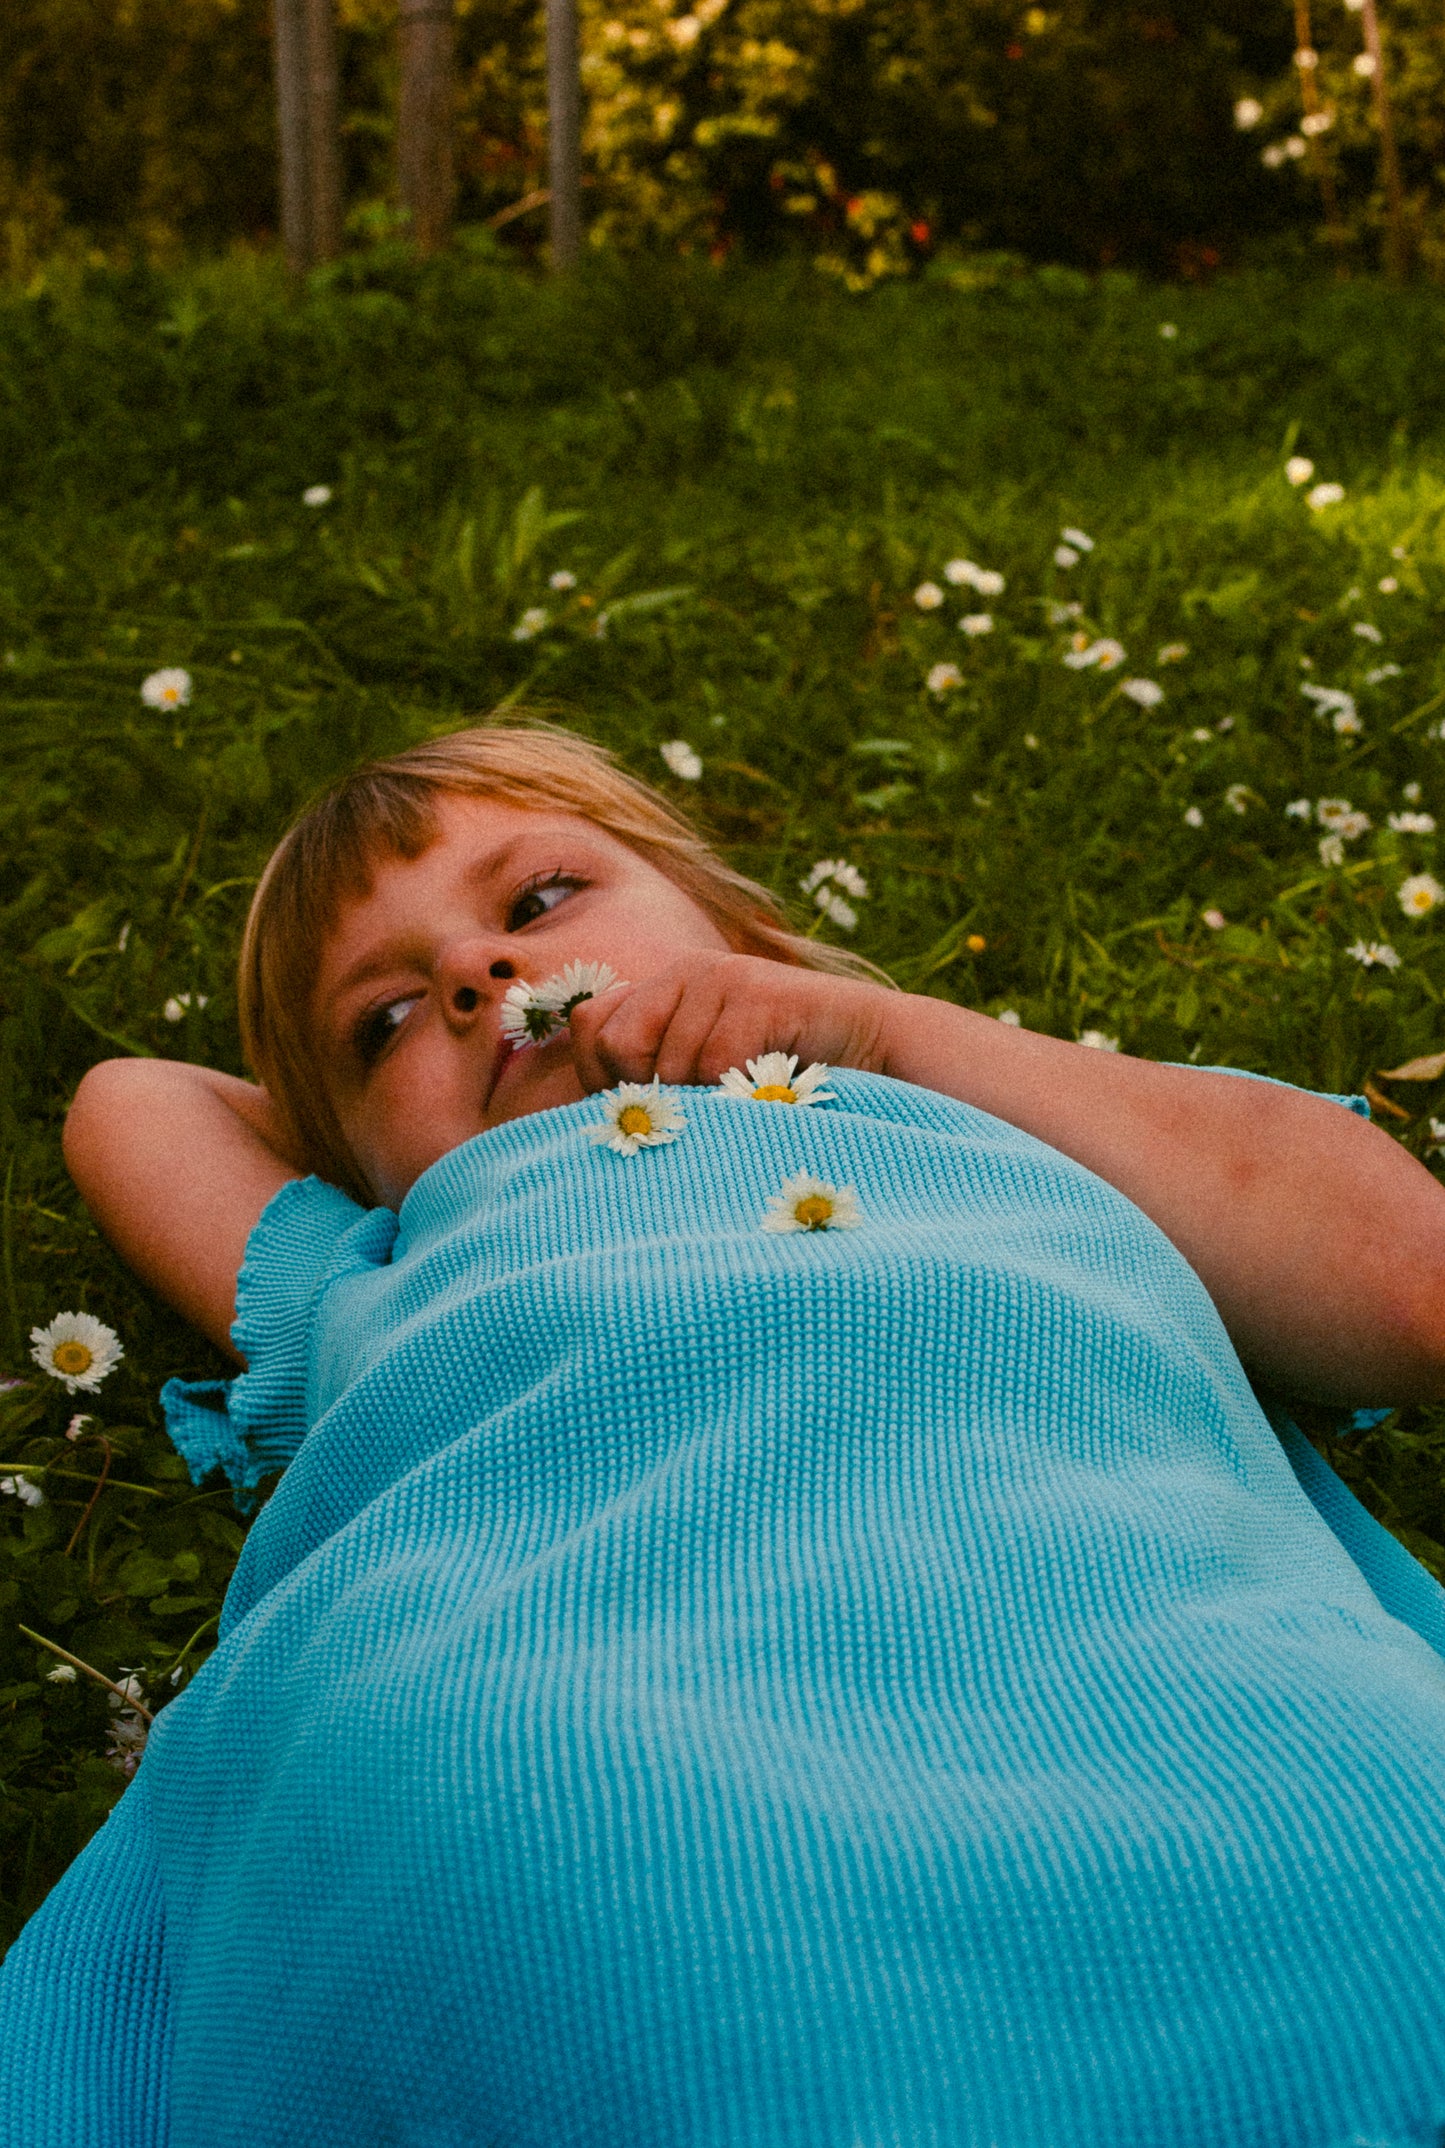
(784, 1624)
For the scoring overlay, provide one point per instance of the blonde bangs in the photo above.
(386, 809)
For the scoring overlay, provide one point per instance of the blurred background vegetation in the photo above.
(869, 133)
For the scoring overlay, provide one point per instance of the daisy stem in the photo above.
(75, 1476)
(79, 1663)
(7, 1253)
(79, 1528)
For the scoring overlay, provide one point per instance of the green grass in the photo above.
(749, 475)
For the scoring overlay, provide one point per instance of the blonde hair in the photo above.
(386, 809)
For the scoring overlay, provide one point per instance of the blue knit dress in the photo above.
(702, 1687)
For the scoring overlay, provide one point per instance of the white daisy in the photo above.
(1077, 538)
(1387, 585)
(847, 876)
(174, 1009)
(1363, 64)
(774, 1079)
(1011, 1018)
(76, 1428)
(805, 1203)
(1193, 818)
(1332, 850)
(1094, 1040)
(1377, 955)
(78, 1350)
(1106, 653)
(64, 1674)
(166, 690)
(928, 596)
(1298, 809)
(681, 759)
(1346, 722)
(562, 579)
(1168, 331)
(1239, 797)
(316, 496)
(638, 1116)
(843, 915)
(21, 1488)
(1323, 496)
(1411, 793)
(1248, 112)
(524, 1017)
(1065, 556)
(1316, 123)
(1366, 631)
(1148, 693)
(1381, 672)
(975, 623)
(1173, 652)
(1214, 919)
(531, 623)
(1412, 823)
(1420, 894)
(1437, 1136)
(1061, 614)
(943, 678)
(579, 981)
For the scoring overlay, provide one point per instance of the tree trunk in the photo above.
(425, 121)
(291, 130)
(564, 133)
(1397, 237)
(323, 130)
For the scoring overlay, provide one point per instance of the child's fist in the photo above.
(693, 1020)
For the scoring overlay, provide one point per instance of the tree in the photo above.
(307, 129)
(425, 120)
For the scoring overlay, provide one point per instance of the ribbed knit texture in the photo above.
(696, 1688)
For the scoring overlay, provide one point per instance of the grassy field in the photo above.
(758, 486)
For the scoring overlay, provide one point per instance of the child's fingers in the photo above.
(615, 1036)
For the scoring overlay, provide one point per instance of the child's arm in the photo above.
(1321, 1241)
(176, 1162)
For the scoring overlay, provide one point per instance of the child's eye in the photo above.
(539, 896)
(378, 1026)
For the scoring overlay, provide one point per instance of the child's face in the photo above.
(412, 978)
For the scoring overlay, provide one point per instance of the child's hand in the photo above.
(690, 1022)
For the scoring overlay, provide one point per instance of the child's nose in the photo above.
(461, 988)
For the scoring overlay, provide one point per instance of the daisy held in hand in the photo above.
(773, 1079)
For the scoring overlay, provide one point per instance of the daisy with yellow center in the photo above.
(774, 1079)
(639, 1115)
(805, 1203)
(533, 1013)
(78, 1350)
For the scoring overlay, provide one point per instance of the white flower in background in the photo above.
(1299, 469)
(166, 690)
(1106, 653)
(1248, 112)
(943, 677)
(1319, 497)
(563, 579)
(682, 760)
(1387, 585)
(637, 1115)
(1411, 792)
(76, 1428)
(78, 1350)
(1412, 823)
(774, 1079)
(64, 1674)
(685, 31)
(1378, 955)
(1148, 693)
(1031, 742)
(1346, 722)
(1381, 672)
(1094, 1040)
(1294, 145)
(524, 1018)
(128, 1729)
(316, 496)
(1307, 59)
(1201, 737)
(531, 623)
(1065, 556)
(1329, 700)
(1363, 64)
(1193, 818)
(843, 915)
(1420, 894)
(1011, 1018)
(175, 1008)
(1332, 850)
(21, 1488)
(975, 623)
(1061, 614)
(1316, 123)
(1437, 1136)
(1225, 723)
(1168, 331)
(805, 1203)
(579, 981)
(1078, 539)
(1366, 631)
(1273, 156)
(847, 876)
(986, 580)
(1299, 809)
(1173, 652)
(1239, 797)
(1341, 818)
(928, 596)
(1214, 919)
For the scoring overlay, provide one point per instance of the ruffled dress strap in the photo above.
(255, 1423)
